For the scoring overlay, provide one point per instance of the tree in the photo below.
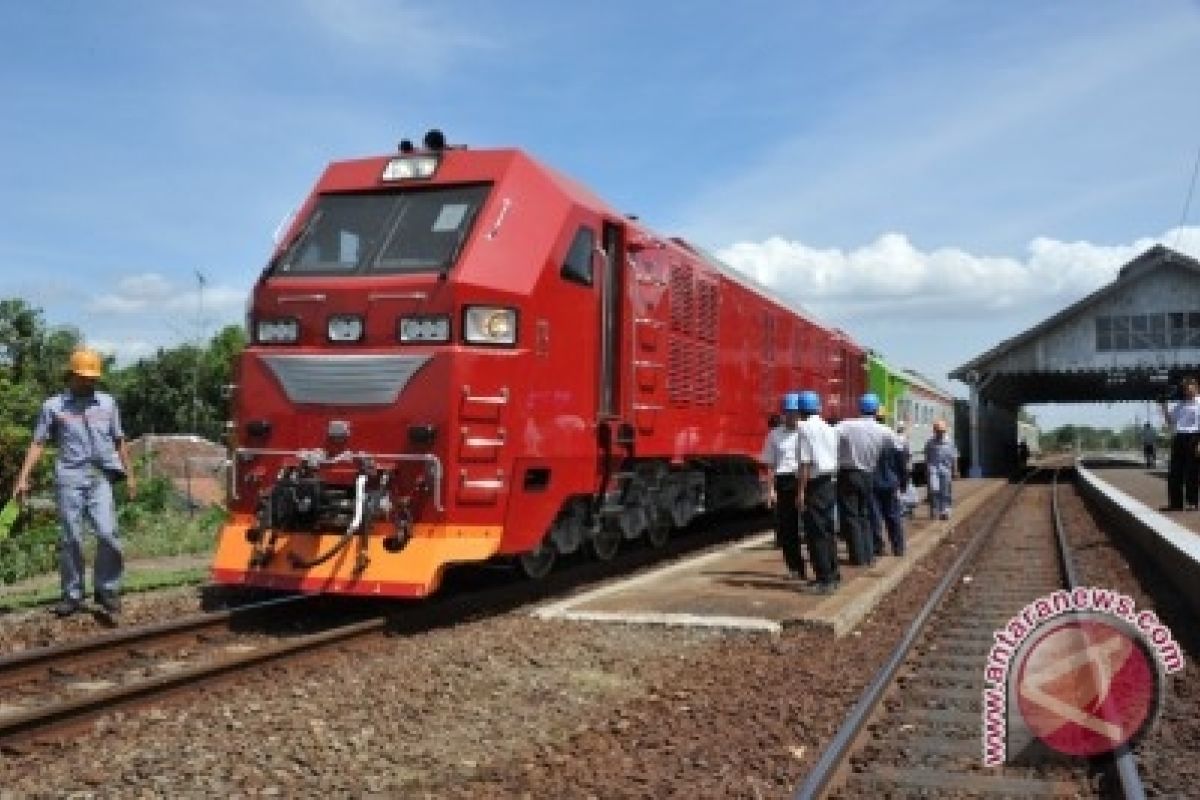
(179, 390)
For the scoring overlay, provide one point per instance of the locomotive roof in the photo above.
(499, 159)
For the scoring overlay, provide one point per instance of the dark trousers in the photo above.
(1183, 472)
(787, 522)
(854, 502)
(1151, 456)
(820, 497)
(886, 513)
(877, 545)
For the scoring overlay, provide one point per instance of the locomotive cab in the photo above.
(386, 410)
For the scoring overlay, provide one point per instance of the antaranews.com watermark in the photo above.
(1063, 659)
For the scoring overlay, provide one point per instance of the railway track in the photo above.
(46, 692)
(916, 730)
(64, 686)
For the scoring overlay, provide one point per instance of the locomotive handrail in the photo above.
(432, 462)
(301, 298)
(397, 296)
(494, 400)
(505, 204)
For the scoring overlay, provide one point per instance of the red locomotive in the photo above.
(461, 355)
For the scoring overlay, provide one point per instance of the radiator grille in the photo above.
(344, 380)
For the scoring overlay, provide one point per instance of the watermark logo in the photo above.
(1077, 672)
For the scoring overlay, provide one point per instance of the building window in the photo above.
(1177, 334)
(1158, 331)
(1147, 331)
(1104, 334)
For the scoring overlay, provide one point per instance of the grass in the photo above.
(154, 525)
(135, 581)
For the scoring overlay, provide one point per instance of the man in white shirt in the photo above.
(1183, 471)
(780, 457)
(860, 442)
(818, 457)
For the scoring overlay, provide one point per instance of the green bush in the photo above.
(154, 524)
(32, 552)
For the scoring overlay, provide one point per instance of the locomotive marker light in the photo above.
(345, 328)
(489, 325)
(284, 330)
(423, 329)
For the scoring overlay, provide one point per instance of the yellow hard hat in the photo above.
(86, 363)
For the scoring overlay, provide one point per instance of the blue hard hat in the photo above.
(868, 403)
(791, 401)
(810, 402)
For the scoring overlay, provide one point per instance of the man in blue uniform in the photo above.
(85, 428)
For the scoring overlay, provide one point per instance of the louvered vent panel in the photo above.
(683, 300)
(707, 309)
(706, 375)
(679, 372)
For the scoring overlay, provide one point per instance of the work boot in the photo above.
(109, 602)
(66, 607)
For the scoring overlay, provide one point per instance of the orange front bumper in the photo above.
(416, 571)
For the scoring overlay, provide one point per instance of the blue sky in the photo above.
(931, 175)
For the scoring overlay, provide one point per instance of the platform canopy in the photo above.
(1133, 339)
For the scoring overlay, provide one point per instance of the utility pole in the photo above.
(199, 348)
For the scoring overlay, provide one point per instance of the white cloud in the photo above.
(125, 350)
(403, 32)
(155, 293)
(891, 274)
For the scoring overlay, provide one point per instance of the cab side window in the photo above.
(578, 265)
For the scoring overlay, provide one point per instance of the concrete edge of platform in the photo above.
(841, 613)
(1173, 548)
(562, 609)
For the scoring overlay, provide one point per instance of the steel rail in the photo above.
(1125, 765)
(14, 727)
(16, 666)
(821, 777)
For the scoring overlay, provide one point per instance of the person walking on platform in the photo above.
(817, 498)
(1149, 438)
(85, 427)
(941, 462)
(779, 454)
(1183, 470)
(860, 441)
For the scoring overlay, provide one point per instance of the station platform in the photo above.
(1148, 487)
(745, 586)
(1134, 498)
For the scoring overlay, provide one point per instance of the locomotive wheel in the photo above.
(537, 563)
(605, 543)
(658, 533)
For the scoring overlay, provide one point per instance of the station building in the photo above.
(1131, 340)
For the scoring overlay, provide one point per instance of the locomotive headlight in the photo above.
(490, 325)
(407, 168)
(423, 329)
(275, 331)
(345, 328)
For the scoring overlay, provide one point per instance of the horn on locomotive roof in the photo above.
(435, 140)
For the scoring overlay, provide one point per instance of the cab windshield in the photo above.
(419, 230)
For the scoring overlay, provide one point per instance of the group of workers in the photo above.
(846, 478)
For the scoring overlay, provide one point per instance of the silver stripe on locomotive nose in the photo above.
(345, 380)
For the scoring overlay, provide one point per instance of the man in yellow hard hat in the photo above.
(85, 427)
